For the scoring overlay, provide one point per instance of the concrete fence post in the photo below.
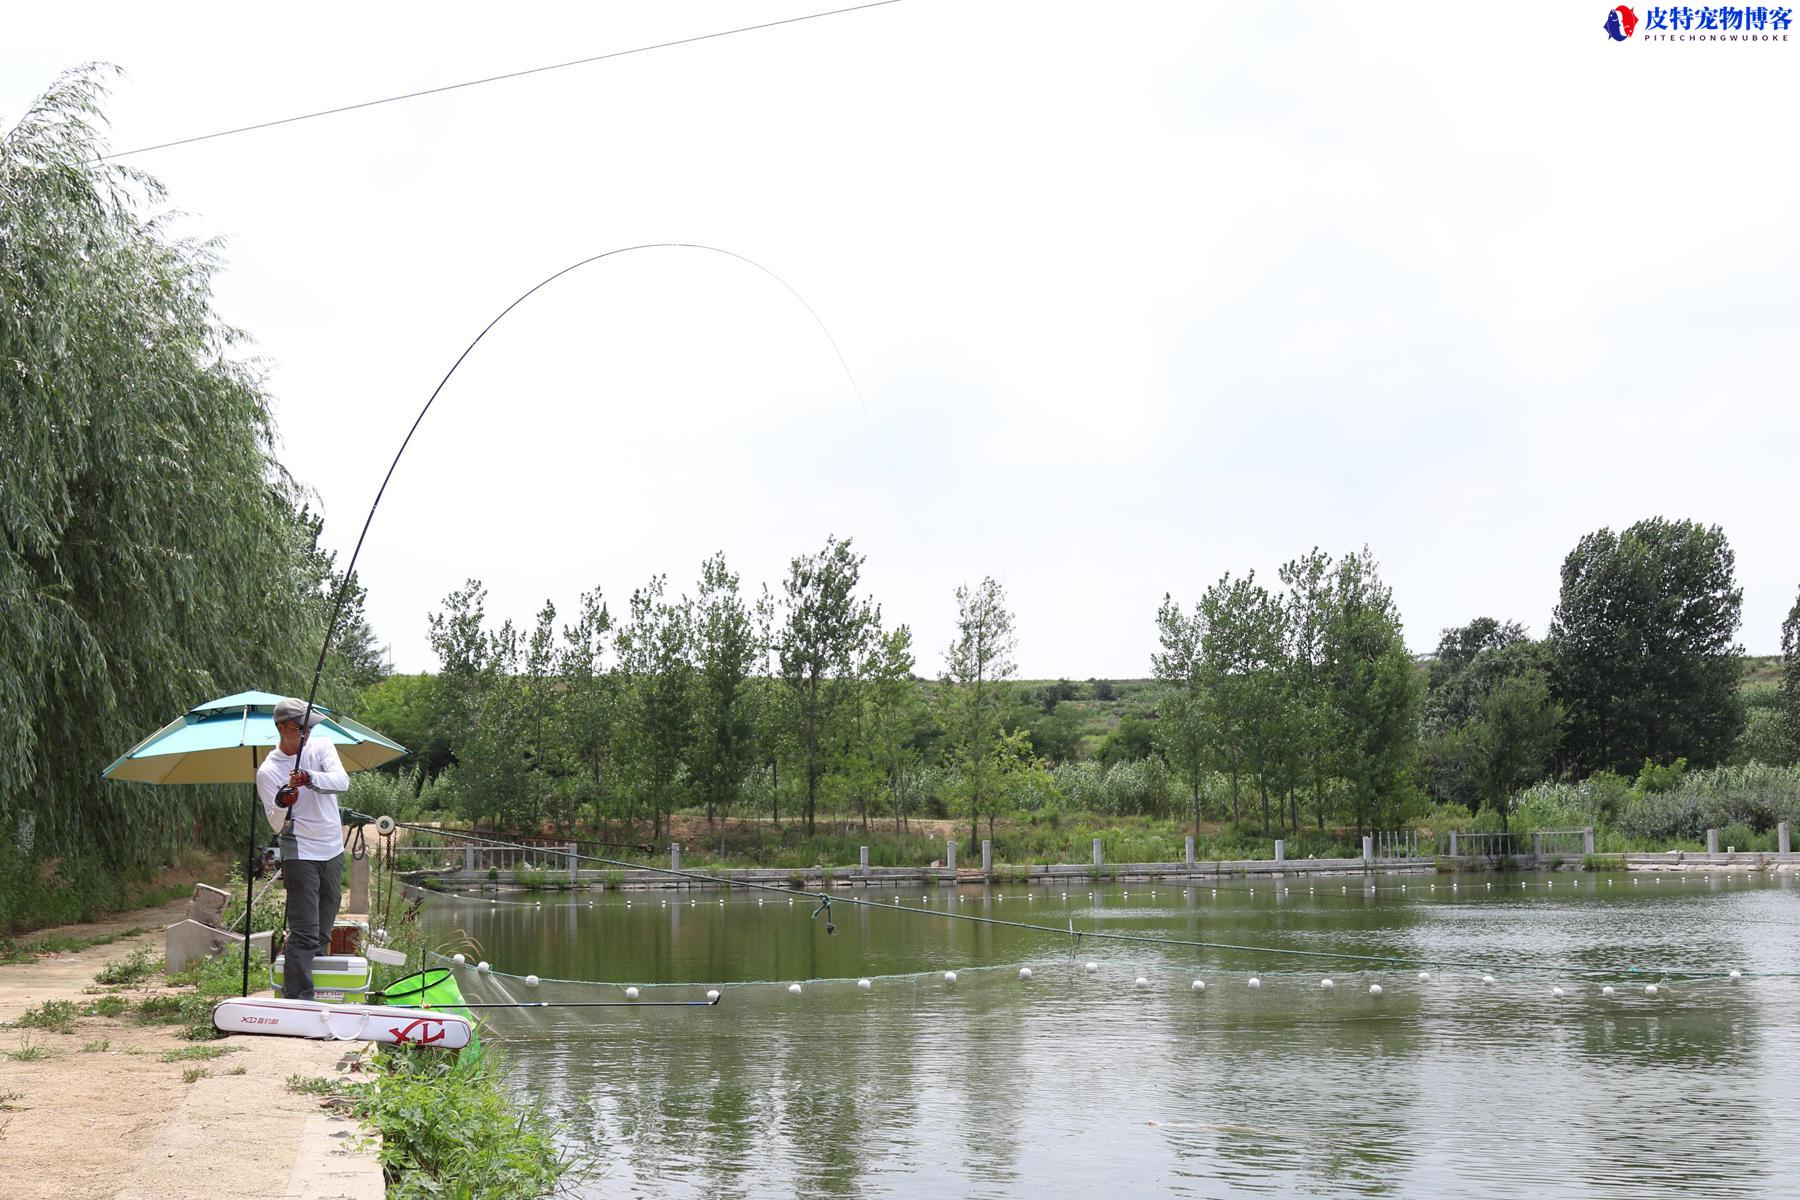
(987, 857)
(1280, 850)
(1587, 840)
(1454, 835)
(1537, 844)
(863, 860)
(950, 855)
(469, 859)
(1783, 842)
(1190, 850)
(674, 856)
(1098, 858)
(574, 863)
(359, 885)
(1712, 841)
(1368, 849)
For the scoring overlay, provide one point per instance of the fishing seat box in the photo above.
(336, 977)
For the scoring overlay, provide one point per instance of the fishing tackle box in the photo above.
(335, 976)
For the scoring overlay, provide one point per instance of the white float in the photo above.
(531, 981)
(1325, 985)
(1024, 972)
(793, 989)
(949, 976)
(1142, 982)
(864, 984)
(1374, 989)
(712, 995)
(1090, 968)
(631, 993)
(1650, 989)
(1199, 985)
(481, 968)
(1253, 983)
(458, 959)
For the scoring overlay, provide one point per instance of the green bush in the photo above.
(135, 967)
(447, 1129)
(58, 1016)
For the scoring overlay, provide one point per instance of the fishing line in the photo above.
(337, 606)
(1128, 938)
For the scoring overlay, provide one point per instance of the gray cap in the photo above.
(291, 709)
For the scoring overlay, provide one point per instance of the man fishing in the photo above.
(299, 782)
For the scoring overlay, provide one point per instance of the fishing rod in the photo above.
(593, 1004)
(343, 591)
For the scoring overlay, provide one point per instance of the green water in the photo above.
(1075, 1083)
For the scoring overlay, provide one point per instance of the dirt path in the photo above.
(119, 1109)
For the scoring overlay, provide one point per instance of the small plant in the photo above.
(98, 1047)
(195, 1074)
(240, 1069)
(199, 1053)
(58, 1016)
(796, 880)
(1556, 862)
(28, 1051)
(1603, 862)
(108, 1006)
(317, 1085)
(532, 879)
(158, 1010)
(612, 879)
(493, 875)
(8, 1101)
(135, 967)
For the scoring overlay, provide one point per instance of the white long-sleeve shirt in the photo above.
(318, 826)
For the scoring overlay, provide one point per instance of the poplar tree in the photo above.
(1790, 680)
(726, 650)
(654, 654)
(1183, 720)
(824, 624)
(975, 665)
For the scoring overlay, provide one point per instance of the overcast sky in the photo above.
(1135, 294)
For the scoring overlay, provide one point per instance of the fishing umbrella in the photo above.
(224, 740)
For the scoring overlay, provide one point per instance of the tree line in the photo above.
(1281, 708)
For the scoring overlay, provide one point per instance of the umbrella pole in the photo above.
(249, 874)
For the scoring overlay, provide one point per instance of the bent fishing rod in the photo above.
(343, 591)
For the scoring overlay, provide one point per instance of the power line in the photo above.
(469, 83)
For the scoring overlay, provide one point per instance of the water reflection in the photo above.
(1074, 1084)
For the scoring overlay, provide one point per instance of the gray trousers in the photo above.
(313, 891)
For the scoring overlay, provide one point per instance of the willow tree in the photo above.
(152, 552)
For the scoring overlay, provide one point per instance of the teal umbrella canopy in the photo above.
(208, 743)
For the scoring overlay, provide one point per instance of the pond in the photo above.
(1075, 1082)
